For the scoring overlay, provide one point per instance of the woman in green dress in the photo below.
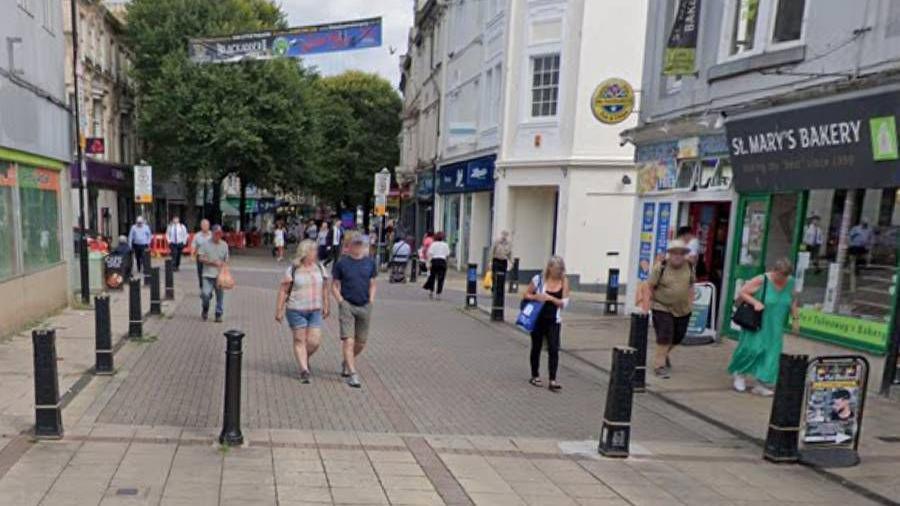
(757, 354)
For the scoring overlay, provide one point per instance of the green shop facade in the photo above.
(818, 182)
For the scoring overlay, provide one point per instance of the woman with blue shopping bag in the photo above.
(544, 300)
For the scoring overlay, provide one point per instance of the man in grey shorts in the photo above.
(353, 286)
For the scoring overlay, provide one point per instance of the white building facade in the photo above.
(564, 184)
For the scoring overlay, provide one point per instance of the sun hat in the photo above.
(677, 245)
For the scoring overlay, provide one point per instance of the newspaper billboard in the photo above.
(291, 43)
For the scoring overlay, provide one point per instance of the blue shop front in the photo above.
(465, 209)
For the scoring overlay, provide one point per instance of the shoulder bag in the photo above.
(530, 310)
(748, 318)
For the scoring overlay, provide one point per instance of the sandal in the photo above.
(536, 382)
(554, 386)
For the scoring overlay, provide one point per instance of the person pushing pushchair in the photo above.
(400, 254)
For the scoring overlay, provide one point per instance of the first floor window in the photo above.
(788, 20)
(753, 21)
(743, 36)
(39, 202)
(544, 85)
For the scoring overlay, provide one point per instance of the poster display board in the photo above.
(701, 327)
(833, 410)
(645, 255)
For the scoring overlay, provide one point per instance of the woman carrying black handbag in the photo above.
(771, 295)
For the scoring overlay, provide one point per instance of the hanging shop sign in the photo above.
(613, 101)
(290, 43)
(849, 143)
(425, 186)
(469, 176)
(143, 184)
(95, 146)
(681, 48)
(833, 410)
(645, 253)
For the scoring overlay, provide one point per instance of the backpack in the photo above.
(290, 289)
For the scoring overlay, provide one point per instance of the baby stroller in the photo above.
(400, 254)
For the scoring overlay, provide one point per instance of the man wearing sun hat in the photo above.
(672, 295)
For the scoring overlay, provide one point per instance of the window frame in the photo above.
(532, 60)
(764, 31)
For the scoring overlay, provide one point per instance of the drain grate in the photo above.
(889, 439)
(127, 491)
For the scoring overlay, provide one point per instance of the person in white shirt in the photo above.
(176, 235)
(861, 239)
(336, 236)
(812, 240)
(279, 241)
(437, 255)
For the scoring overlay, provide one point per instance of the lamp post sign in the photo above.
(143, 184)
(382, 187)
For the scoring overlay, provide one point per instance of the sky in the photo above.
(396, 18)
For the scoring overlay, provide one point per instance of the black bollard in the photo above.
(413, 269)
(135, 313)
(612, 292)
(47, 411)
(497, 308)
(231, 419)
(155, 301)
(637, 339)
(148, 262)
(615, 433)
(103, 363)
(472, 286)
(783, 436)
(514, 277)
(170, 281)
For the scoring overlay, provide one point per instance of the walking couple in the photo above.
(304, 300)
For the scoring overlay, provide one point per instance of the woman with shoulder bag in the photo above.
(551, 288)
(303, 299)
(757, 354)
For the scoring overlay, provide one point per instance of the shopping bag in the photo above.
(528, 316)
(488, 281)
(225, 281)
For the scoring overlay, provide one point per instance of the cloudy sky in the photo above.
(396, 18)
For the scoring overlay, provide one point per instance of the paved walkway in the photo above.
(445, 417)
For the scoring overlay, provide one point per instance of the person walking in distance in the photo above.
(335, 237)
(354, 288)
(757, 353)
(139, 240)
(279, 241)
(437, 256)
(200, 238)
(501, 253)
(551, 287)
(813, 240)
(303, 298)
(324, 245)
(176, 235)
(671, 286)
(214, 255)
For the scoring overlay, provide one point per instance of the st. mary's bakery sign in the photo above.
(849, 143)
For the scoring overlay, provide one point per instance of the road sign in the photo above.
(143, 184)
(382, 183)
(380, 205)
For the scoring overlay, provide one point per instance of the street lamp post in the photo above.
(79, 160)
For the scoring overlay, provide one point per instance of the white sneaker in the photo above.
(740, 383)
(763, 391)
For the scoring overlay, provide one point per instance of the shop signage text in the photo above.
(469, 176)
(612, 101)
(849, 143)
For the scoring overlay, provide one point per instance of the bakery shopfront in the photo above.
(819, 183)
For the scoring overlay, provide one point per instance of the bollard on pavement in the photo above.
(499, 304)
(612, 292)
(170, 280)
(103, 362)
(472, 286)
(637, 339)
(47, 410)
(135, 316)
(783, 436)
(615, 434)
(148, 262)
(231, 419)
(514, 277)
(413, 269)
(155, 301)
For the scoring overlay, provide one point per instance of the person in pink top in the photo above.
(423, 251)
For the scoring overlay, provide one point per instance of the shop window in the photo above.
(39, 202)
(848, 257)
(7, 227)
(687, 174)
(715, 173)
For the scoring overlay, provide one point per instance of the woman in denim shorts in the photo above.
(303, 299)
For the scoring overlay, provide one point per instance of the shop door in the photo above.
(750, 248)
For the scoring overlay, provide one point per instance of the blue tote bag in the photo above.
(531, 309)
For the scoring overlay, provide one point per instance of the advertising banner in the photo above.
(681, 49)
(702, 317)
(290, 43)
(848, 143)
(645, 254)
(114, 266)
(833, 406)
(663, 224)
